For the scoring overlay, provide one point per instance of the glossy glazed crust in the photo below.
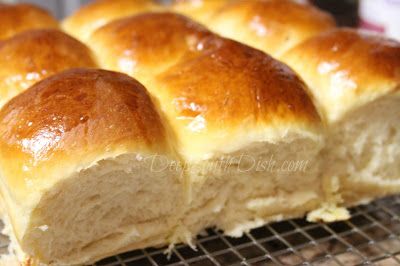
(20, 17)
(346, 68)
(211, 89)
(272, 26)
(36, 54)
(234, 84)
(146, 44)
(98, 13)
(199, 10)
(71, 120)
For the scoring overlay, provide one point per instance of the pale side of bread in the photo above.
(21, 17)
(355, 79)
(36, 54)
(222, 99)
(77, 181)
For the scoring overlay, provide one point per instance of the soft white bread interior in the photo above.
(224, 100)
(273, 26)
(355, 79)
(33, 55)
(16, 18)
(95, 14)
(76, 177)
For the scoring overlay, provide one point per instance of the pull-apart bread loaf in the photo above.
(273, 26)
(32, 55)
(230, 107)
(78, 181)
(21, 17)
(93, 163)
(355, 79)
(86, 155)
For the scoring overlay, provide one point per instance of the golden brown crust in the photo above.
(346, 68)
(233, 85)
(20, 17)
(272, 26)
(147, 44)
(199, 10)
(196, 59)
(35, 54)
(74, 118)
(206, 85)
(98, 13)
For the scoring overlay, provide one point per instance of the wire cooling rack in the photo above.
(370, 237)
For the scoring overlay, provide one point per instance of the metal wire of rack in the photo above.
(370, 237)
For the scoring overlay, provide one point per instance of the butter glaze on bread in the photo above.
(137, 46)
(273, 26)
(36, 54)
(221, 99)
(97, 13)
(355, 79)
(21, 17)
(72, 158)
(187, 64)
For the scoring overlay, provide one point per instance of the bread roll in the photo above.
(199, 10)
(98, 13)
(21, 17)
(138, 46)
(35, 54)
(273, 26)
(228, 104)
(355, 79)
(78, 179)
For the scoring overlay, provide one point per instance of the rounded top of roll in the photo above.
(272, 26)
(75, 118)
(147, 44)
(92, 16)
(234, 84)
(346, 68)
(20, 17)
(35, 54)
